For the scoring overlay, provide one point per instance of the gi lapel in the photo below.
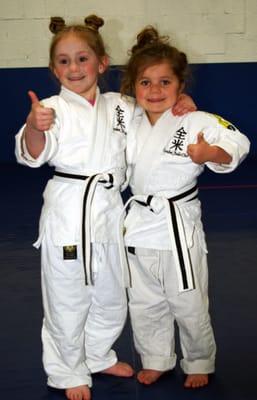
(151, 141)
(98, 135)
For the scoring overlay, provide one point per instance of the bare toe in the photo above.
(120, 369)
(196, 380)
(149, 376)
(78, 393)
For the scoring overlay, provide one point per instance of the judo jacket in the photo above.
(85, 140)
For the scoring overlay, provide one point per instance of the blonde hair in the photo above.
(88, 32)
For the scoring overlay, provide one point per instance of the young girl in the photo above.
(82, 135)
(164, 234)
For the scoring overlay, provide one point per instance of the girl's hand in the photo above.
(201, 151)
(40, 118)
(38, 121)
(184, 105)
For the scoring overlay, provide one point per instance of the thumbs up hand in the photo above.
(40, 118)
(199, 152)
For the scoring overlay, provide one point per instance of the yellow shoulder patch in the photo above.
(224, 123)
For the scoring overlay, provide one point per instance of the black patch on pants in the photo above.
(131, 250)
(70, 252)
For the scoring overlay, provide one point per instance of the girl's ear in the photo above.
(104, 64)
(55, 74)
(53, 70)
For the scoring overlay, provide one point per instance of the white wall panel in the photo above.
(207, 30)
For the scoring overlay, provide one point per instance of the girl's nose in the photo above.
(155, 87)
(73, 66)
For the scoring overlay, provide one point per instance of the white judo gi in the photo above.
(167, 258)
(81, 322)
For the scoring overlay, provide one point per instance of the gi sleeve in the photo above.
(223, 134)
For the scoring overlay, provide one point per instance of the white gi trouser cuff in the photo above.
(158, 363)
(100, 365)
(69, 382)
(198, 366)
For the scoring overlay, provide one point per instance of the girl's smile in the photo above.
(157, 89)
(76, 66)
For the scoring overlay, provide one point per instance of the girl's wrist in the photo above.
(30, 129)
(212, 153)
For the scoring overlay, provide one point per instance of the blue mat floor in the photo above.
(230, 219)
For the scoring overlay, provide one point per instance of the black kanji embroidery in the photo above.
(119, 123)
(177, 144)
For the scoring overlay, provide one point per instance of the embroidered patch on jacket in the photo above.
(70, 252)
(119, 124)
(224, 123)
(176, 146)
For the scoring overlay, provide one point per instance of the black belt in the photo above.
(177, 236)
(182, 255)
(147, 203)
(84, 177)
(91, 182)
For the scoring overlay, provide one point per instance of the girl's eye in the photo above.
(144, 82)
(83, 58)
(165, 82)
(63, 61)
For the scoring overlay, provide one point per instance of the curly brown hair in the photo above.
(151, 49)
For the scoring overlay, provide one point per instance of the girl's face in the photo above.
(77, 67)
(157, 89)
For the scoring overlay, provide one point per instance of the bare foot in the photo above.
(149, 376)
(119, 369)
(78, 393)
(196, 380)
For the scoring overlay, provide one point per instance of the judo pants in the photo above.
(81, 322)
(155, 303)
